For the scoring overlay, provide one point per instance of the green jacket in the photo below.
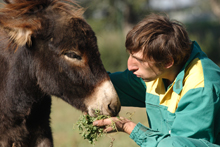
(189, 107)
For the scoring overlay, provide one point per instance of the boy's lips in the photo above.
(138, 76)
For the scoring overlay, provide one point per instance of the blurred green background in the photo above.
(111, 20)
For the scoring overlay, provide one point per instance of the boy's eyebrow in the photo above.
(140, 59)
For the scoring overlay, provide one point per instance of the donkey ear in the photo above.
(7, 1)
(20, 31)
(21, 36)
(13, 1)
(22, 1)
(20, 24)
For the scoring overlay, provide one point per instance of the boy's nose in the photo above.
(132, 65)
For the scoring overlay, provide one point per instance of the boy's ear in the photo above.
(169, 64)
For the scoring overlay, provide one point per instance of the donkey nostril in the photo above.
(113, 111)
(109, 107)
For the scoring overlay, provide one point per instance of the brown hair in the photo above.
(161, 39)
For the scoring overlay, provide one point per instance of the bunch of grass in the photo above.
(90, 132)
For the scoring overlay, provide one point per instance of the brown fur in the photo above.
(35, 38)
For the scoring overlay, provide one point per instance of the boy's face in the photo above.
(145, 69)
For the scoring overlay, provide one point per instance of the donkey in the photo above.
(47, 48)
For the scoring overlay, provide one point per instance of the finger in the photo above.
(85, 113)
(109, 130)
(102, 122)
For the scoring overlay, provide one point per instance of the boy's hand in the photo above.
(122, 124)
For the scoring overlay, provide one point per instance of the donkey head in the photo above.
(64, 53)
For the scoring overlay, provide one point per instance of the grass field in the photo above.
(64, 117)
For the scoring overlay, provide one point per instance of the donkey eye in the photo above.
(73, 55)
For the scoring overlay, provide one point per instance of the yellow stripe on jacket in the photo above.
(193, 78)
